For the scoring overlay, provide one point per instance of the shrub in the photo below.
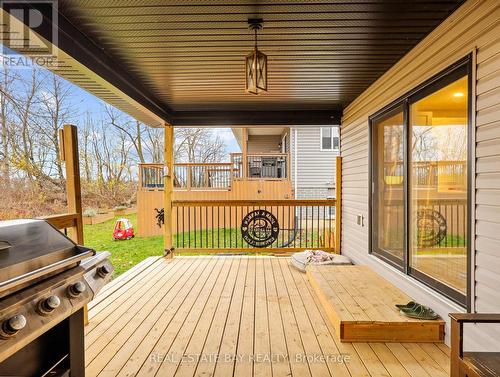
(90, 212)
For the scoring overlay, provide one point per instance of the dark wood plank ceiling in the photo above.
(189, 54)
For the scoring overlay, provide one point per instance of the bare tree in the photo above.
(85, 134)
(33, 107)
(129, 127)
(154, 144)
(56, 110)
(198, 145)
(28, 148)
(5, 109)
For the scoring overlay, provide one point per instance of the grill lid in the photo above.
(30, 249)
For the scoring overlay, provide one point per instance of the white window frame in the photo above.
(332, 149)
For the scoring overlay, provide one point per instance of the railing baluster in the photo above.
(206, 226)
(195, 226)
(282, 221)
(230, 228)
(324, 228)
(176, 243)
(294, 225)
(183, 230)
(199, 224)
(307, 220)
(189, 226)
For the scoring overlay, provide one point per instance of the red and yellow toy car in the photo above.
(123, 230)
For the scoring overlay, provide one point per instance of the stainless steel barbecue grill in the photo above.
(45, 281)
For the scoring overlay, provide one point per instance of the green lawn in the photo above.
(124, 254)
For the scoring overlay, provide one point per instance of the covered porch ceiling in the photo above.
(182, 61)
(257, 131)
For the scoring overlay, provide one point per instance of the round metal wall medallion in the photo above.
(431, 226)
(260, 228)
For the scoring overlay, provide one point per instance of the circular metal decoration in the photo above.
(431, 227)
(260, 228)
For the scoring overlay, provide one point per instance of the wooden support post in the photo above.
(338, 204)
(244, 152)
(68, 150)
(168, 189)
(456, 343)
(69, 154)
(139, 186)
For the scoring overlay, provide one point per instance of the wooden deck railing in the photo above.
(65, 222)
(429, 173)
(219, 175)
(151, 177)
(202, 176)
(253, 226)
(440, 223)
(267, 165)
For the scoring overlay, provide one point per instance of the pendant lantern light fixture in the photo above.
(256, 63)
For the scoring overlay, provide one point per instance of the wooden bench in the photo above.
(360, 304)
(471, 364)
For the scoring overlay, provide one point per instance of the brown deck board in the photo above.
(258, 315)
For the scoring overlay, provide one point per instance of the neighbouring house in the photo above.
(274, 163)
(311, 150)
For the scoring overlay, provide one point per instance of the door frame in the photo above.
(445, 77)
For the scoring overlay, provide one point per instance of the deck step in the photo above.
(360, 305)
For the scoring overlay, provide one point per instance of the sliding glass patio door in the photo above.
(420, 150)
(438, 187)
(388, 204)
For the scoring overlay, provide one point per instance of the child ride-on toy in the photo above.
(123, 230)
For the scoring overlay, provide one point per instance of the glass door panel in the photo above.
(438, 153)
(388, 235)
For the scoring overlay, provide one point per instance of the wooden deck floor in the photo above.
(232, 316)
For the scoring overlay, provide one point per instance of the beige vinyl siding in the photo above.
(264, 144)
(473, 28)
(315, 168)
(487, 274)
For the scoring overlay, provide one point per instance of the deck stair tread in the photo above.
(361, 306)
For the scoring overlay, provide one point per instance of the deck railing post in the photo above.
(140, 178)
(338, 204)
(69, 153)
(244, 151)
(189, 176)
(168, 189)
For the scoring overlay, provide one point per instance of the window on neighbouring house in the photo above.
(329, 138)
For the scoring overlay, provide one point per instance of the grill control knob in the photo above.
(76, 289)
(48, 305)
(14, 324)
(103, 271)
